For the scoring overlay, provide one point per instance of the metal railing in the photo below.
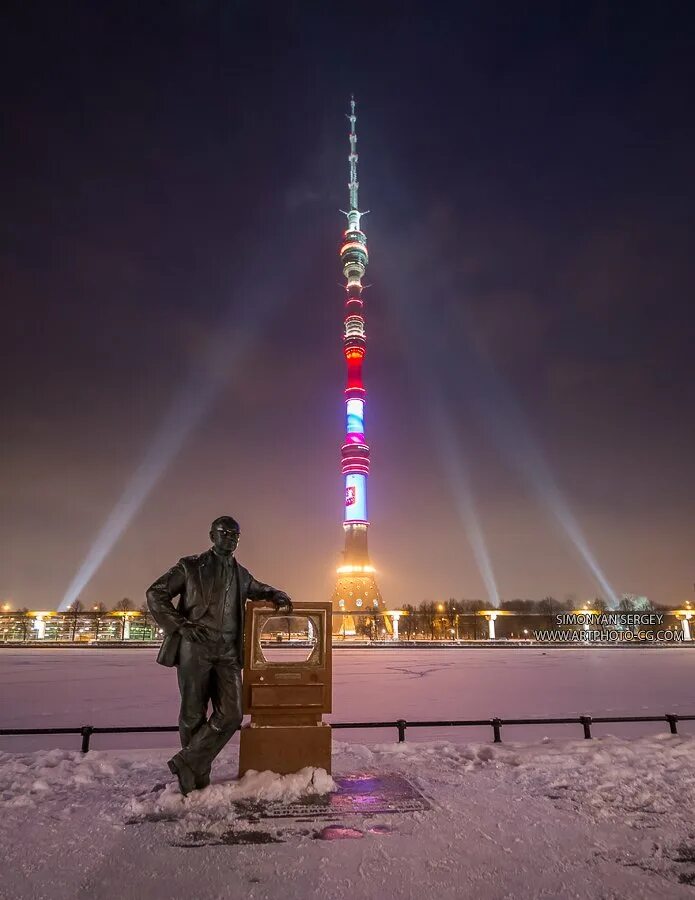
(86, 731)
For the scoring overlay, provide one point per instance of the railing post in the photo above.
(672, 719)
(401, 726)
(86, 732)
(497, 736)
(586, 724)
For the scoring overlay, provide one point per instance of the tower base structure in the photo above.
(355, 597)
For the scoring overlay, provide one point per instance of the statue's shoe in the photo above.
(202, 781)
(184, 773)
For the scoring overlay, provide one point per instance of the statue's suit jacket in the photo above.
(192, 580)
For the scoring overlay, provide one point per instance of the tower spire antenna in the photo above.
(354, 183)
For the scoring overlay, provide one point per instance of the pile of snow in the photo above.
(49, 776)
(217, 801)
(30, 778)
(639, 781)
(643, 783)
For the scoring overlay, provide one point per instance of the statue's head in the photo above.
(224, 534)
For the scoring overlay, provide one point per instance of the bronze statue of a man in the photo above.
(204, 638)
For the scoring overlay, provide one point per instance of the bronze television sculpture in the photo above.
(287, 687)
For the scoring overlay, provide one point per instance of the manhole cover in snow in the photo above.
(357, 795)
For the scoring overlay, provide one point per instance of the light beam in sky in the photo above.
(454, 351)
(455, 467)
(452, 457)
(517, 443)
(514, 437)
(187, 410)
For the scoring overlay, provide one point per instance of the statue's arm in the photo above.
(259, 591)
(160, 596)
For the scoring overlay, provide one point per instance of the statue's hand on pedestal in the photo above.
(282, 602)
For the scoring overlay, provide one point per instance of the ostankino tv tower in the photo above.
(356, 589)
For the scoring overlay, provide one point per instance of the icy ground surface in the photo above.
(608, 818)
(125, 687)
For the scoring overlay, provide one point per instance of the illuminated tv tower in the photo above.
(356, 589)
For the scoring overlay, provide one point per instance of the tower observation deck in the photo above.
(356, 588)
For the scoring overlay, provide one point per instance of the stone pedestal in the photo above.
(285, 748)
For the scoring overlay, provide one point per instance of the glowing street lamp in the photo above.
(492, 618)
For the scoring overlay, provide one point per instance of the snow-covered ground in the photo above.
(63, 687)
(552, 817)
(588, 819)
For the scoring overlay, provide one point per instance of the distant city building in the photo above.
(82, 626)
(431, 623)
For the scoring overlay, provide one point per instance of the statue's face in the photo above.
(225, 538)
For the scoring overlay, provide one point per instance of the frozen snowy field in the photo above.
(125, 687)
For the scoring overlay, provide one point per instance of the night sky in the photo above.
(171, 180)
